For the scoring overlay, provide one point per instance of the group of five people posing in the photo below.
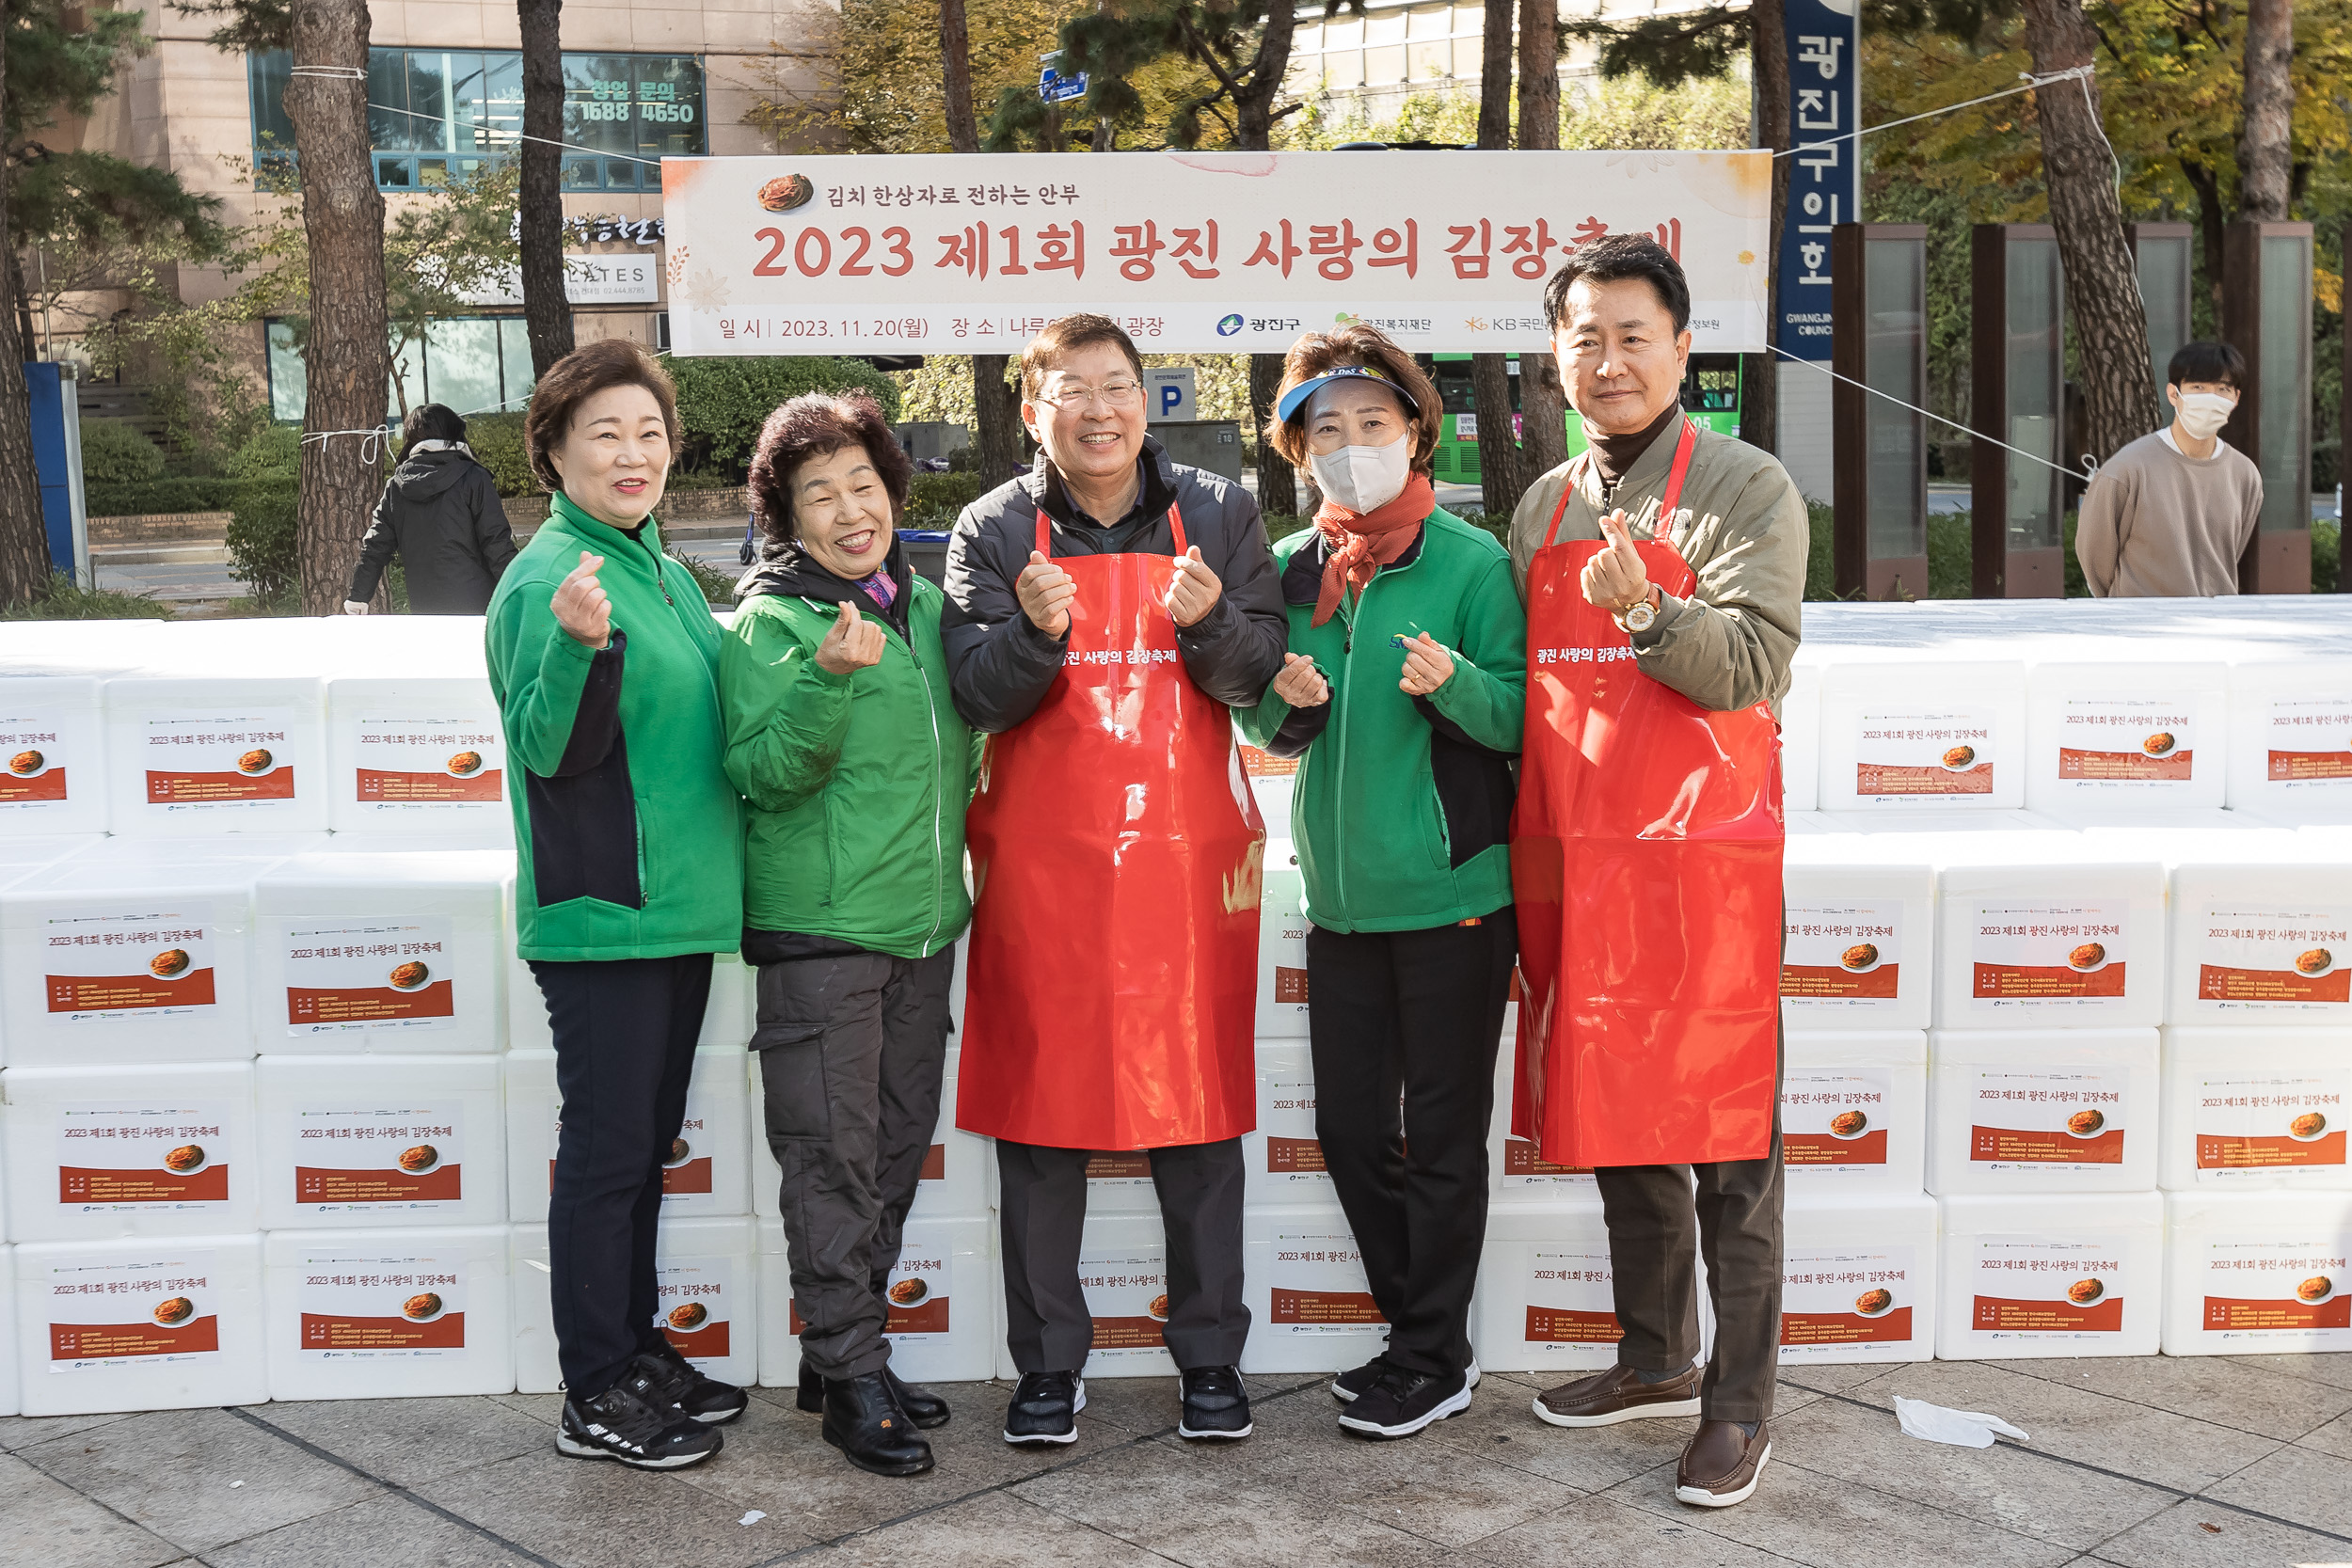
(807, 785)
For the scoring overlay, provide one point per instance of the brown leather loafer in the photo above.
(1617, 1395)
(1721, 1465)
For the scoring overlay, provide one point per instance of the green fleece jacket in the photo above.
(1401, 812)
(857, 783)
(628, 840)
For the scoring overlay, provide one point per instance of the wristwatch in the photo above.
(1639, 618)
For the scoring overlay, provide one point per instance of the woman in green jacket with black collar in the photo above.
(629, 875)
(1402, 695)
(841, 733)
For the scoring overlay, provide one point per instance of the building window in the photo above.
(436, 114)
(474, 364)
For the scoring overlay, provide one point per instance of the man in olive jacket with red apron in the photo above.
(1103, 613)
(1647, 855)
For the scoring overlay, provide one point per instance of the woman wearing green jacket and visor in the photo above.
(841, 733)
(1402, 693)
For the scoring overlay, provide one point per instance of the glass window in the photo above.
(1344, 67)
(462, 364)
(2164, 281)
(1429, 21)
(1895, 284)
(1384, 28)
(2283, 431)
(1344, 32)
(268, 76)
(515, 360)
(1469, 60)
(2035, 375)
(1424, 60)
(289, 377)
(474, 364)
(1384, 66)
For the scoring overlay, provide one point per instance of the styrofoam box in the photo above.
(711, 1175)
(950, 1334)
(1904, 733)
(1516, 1167)
(155, 1323)
(1858, 1278)
(98, 1152)
(1123, 1268)
(1311, 1307)
(11, 1392)
(1801, 737)
(1283, 1154)
(1271, 781)
(1282, 946)
(2050, 1275)
(2257, 942)
(217, 755)
(108, 958)
(371, 1141)
(2115, 737)
(2051, 1111)
(381, 953)
(1859, 933)
(378, 1314)
(2256, 1108)
(417, 752)
(2062, 943)
(709, 1264)
(955, 1172)
(1853, 1111)
(2291, 738)
(727, 1019)
(2257, 1273)
(1545, 1300)
(53, 755)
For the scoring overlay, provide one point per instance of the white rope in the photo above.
(2027, 83)
(371, 442)
(1975, 434)
(338, 72)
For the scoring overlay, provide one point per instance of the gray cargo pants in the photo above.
(850, 1054)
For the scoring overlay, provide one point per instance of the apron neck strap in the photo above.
(1667, 498)
(1045, 531)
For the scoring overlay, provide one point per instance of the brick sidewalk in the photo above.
(2146, 1464)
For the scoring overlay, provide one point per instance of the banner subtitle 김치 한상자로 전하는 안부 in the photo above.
(1190, 252)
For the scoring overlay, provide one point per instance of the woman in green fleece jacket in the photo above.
(628, 877)
(1402, 696)
(841, 733)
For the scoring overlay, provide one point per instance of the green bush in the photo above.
(934, 501)
(2327, 554)
(717, 587)
(66, 600)
(273, 453)
(262, 535)
(113, 453)
(496, 441)
(162, 495)
(722, 403)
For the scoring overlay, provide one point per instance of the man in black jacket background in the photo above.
(441, 513)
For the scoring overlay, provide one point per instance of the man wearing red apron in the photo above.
(1662, 570)
(1104, 611)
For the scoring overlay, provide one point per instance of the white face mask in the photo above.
(2203, 414)
(1364, 478)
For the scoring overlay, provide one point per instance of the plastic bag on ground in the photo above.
(1967, 1429)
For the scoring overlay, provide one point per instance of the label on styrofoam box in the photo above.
(407, 1158)
(1525, 1170)
(2274, 958)
(116, 1154)
(1843, 954)
(1834, 1118)
(1127, 1169)
(1946, 751)
(1260, 764)
(1318, 1285)
(370, 1306)
(417, 762)
(1571, 1298)
(696, 1299)
(218, 761)
(370, 975)
(1848, 1295)
(2248, 1123)
(150, 962)
(2310, 743)
(2115, 740)
(2273, 1286)
(1286, 1126)
(34, 753)
(161, 1310)
(2030, 1284)
(919, 1292)
(2020, 1119)
(1126, 1295)
(2060, 953)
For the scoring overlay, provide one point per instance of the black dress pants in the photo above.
(625, 1031)
(1417, 1014)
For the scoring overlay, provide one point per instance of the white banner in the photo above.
(1190, 252)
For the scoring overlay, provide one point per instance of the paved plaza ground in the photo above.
(2145, 1463)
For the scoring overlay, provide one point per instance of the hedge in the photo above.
(722, 403)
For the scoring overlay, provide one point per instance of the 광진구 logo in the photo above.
(1228, 325)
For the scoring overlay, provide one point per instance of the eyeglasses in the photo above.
(1113, 394)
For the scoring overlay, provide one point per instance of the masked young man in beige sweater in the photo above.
(2169, 515)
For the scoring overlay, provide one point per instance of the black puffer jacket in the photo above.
(1000, 664)
(441, 513)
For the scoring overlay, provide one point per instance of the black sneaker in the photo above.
(1348, 1386)
(1045, 1408)
(631, 1423)
(706, 1399)
(1216, 1404)
(1400, 1402)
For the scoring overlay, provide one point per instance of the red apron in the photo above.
(1646, 855)
(1116, 851)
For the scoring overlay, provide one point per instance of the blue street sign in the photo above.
(1052, 87)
